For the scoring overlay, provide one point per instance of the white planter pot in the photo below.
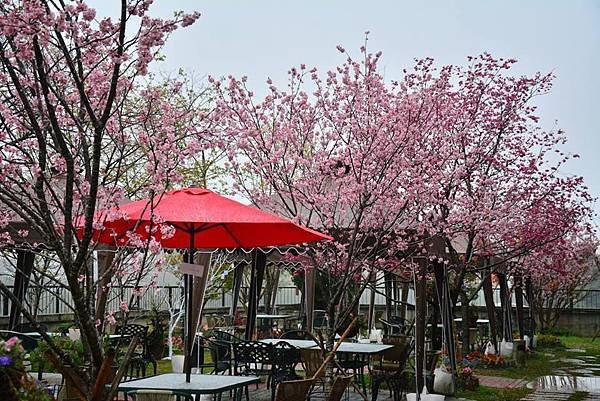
(74, 334)
(177, 363)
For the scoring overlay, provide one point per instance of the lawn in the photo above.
(494, 394)
(544, 361)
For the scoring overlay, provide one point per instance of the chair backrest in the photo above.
(295, 390)
(312, 359)
(319, 318)
(432, 359)
(398, 354)
(285, 356)
(225, 336)
(138, 330)
(252, 353)
(296, 335)
(159, 395)
(339, 386)
(28, 327)
(220, 351)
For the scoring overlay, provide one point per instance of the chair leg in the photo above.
(375, 383)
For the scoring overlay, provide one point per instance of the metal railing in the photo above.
(56, 300)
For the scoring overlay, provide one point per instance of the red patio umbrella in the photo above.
(202, 218)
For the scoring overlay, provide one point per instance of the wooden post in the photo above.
(420, 317)
(25, 260)
(519, 302)
(488, 293)
(259, 261)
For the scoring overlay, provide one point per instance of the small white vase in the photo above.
(177, 363)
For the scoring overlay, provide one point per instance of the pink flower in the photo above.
(11, 342)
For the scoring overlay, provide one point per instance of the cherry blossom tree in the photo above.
(452, 154)
(75, 117)
(344, 158)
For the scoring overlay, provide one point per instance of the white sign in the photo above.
(191, 269)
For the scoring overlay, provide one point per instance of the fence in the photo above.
(56, 300)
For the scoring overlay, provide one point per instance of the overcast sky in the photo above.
(263, 39)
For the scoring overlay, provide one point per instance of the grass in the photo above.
(543, 361)
(494, 394)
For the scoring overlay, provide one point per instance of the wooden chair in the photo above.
(295, 390)
(339, 386)
(312, 360)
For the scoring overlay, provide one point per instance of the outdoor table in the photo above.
(36, 334)
(199, 384)
(350, 348)
(363, 348)
(274, 317)
(271, 318)
(302, 344)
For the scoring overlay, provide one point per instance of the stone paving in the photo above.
(501, 382)
(545, 395)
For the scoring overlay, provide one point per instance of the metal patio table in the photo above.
(301, 344)
(198, 384)
(363, 348)
(351, 348)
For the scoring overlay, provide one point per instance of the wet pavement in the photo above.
(576, 373)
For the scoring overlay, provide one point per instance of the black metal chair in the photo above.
(296, 335)
(28, 328)
(320, 319)
(355, 364)
(252, 358)
(284, 358)
(221, 355)
(140, 360)
(394, 325)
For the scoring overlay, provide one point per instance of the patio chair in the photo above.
(296, 390)
(319, 319)
(28, 328)
(141, 358)
(394, 325)
(220, 353)
(158, 395)
(355, 363)
(339, 387)
(389, 367)
(312, 359)
(284, 358)
(296, 335)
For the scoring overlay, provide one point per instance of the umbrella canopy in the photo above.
(202, 218)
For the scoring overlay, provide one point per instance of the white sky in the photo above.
(263, 39)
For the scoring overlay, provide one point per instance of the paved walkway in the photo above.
(501, 382)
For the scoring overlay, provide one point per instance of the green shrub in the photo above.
(548, 341)
(557, 332)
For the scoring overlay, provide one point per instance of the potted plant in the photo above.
(468, 380)
(177, 357)
(15, 383)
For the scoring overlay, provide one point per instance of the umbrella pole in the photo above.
(190, 335)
